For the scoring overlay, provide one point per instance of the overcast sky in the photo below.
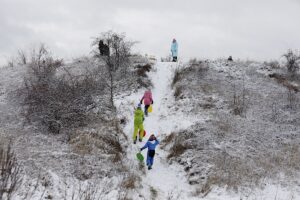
(253, 29)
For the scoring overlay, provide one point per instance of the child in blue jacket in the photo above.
(151, 145)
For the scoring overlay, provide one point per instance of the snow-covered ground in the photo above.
(168, 180)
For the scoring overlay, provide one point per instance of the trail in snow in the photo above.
(168, 180)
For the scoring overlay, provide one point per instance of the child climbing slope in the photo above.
(138, 124)
(151, 145)
(147, 98)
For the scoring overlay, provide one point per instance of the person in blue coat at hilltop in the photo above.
(174, 50)
(151, 145)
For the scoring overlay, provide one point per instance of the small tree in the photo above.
(117, 62)
(292, 61)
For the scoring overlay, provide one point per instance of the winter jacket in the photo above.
(174, 49)
(138, 117)
(151, 145)
(147, 98)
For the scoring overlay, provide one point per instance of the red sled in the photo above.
(144, 133)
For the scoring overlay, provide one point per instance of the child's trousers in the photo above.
(138, 128)
(150, 157)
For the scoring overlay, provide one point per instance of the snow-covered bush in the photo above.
(292, 61)
(57, 101)
(142, 77)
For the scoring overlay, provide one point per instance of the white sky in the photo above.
(253, 29)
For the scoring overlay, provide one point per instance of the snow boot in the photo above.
(149, 167)
(134, 141)
(140, 139)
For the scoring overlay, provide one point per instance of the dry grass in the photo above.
(177, 77)
(86, 142)
(177, 149)
(130, 181)
(233, 173)
(177, 142)
(239, 103)
(244, 173)
(284, 81)
(168, 139)
(207, 88)
(178, 91)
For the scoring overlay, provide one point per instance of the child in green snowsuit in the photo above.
(138, 124)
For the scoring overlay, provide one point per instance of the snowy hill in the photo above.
(227, 131)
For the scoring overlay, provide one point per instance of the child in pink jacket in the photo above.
(147, 101)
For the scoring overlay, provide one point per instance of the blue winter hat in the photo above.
(139, 105)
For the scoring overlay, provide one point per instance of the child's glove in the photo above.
(152, 102)
(141, 149)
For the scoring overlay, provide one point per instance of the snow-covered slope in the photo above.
(195, 112)
(200, 116)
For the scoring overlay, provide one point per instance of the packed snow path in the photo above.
(168, 181)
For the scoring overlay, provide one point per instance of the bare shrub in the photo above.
(10, 178)
(292, 59)
(55, 101)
